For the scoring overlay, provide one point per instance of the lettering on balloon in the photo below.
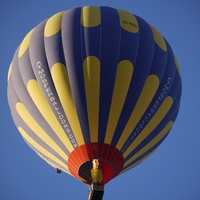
(129, 23)
(148, 116)
(60, 115)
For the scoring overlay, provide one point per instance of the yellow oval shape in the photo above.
(25, 44)
(128, 21)
(158, 38)
(177, 65)
(53, 24)
(9, 71)
(90, 16)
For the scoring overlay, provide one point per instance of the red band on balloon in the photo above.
(110, 159)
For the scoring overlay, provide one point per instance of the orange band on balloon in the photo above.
(110, 159)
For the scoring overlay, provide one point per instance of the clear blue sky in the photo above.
(171, 173)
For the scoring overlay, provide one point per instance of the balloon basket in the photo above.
(96, 191)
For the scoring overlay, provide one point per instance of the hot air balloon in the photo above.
(94, 91)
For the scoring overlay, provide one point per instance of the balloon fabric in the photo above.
(94, 91)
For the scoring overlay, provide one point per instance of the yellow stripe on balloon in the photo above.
(158, 38)
(151, 143)
(40, 148)
(157, 118)
(25, 44)
(128, 21)
(91, 68)
(90, 16)
(147, 94)
(61, 82)
(35, 127)
(9, 71)
(44, 108)
(177, 65)
(122, 82)
(53, 25)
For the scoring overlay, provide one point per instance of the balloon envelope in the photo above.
(94, 91)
